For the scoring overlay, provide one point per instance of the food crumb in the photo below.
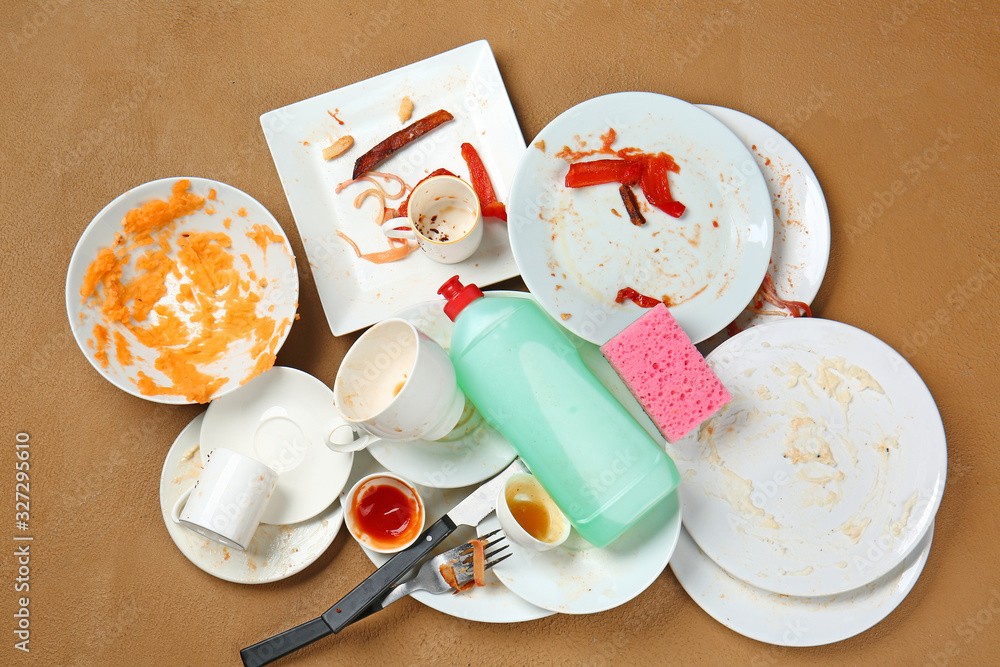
(338, 147)
(212, 194)
(616, 213)
(227, 222)
(566, 316)
(242, 212)
(405, 109)
(540, 145)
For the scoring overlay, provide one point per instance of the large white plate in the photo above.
(824, 470)
(801, 219)
(578, 578)
(275, 552)
(492, 603)
(282, 419)
(465, 81)
(787, 620)
(575, 254)
(275, 280)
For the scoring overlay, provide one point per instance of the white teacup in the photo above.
(444, 217)
(228, 500)
(528, 515)
(395, 383)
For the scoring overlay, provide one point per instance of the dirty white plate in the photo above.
(825, 469)
(492, 603)
(575, 254)
(464, 81)
(578, 578)
(282, 419)
(269, 272)
(275, 552)
(801, 219)
(788, 620)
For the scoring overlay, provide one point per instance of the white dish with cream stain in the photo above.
(824, 470)
(575, 253)
(788, 620)
(275, 551)
(801, 249)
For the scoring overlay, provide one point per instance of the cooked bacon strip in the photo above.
(393, 254)
(478, 561)
(448, 572)
(385, 148)
(631, 205)
(769, 293)
(640, 300)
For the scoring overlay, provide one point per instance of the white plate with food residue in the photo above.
(824, 470)
(576, 249)
(787, 620)
(182, 309)
(579, 578)
(801, 249)
(275, 552)
(465, 82)
(491, 603)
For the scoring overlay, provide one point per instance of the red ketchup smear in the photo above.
(385, 515)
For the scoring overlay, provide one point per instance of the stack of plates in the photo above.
(809, 500)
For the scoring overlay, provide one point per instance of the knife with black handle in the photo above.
(352, 606)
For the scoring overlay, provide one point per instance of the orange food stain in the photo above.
(334, 115)
(101, 336)
(210, 210)
(227, 222)
(242, 212)
(262, 235)
(216, 310)
(212, 194)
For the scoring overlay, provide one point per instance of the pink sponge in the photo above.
(666, 373)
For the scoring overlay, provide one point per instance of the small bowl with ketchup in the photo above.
(529, 516)
(384, 513)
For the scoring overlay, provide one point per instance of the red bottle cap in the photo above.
(458, 296)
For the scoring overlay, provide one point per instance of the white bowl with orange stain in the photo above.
(181, 294)
(529, 516)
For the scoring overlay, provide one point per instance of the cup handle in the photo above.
(389, 229)
(346, 439)
(175, 511)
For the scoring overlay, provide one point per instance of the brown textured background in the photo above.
(100, 97)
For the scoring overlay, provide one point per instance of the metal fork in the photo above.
(429, 577)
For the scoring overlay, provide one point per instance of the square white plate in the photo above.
(466, 82)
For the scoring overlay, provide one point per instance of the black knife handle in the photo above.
(351, 606)
(284, 643)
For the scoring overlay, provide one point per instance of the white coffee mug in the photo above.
(444, 217)
(227, 501)
(395, 383)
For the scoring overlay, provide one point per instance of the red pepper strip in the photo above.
(640, 300)
(404, 207)
(596, 172)
(488, 203)
(656, 188)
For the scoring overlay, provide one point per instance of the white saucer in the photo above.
(578, 578)
(275, 552)
(282, 419)
(471, 453)
(788, 620)
(492, 603)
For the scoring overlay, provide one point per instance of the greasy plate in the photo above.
(575, 254)
(282, 419)
(275, 552)
(577, 578)
(277, 281)
(492, 603)
(824, 470)
(466, 82)
(801, 220)
(787, 620)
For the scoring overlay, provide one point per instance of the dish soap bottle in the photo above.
(527, 379)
